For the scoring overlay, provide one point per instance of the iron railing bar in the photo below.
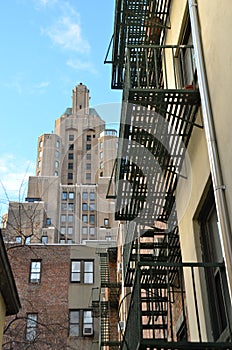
(196, 303)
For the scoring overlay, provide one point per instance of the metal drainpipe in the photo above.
(219, 187)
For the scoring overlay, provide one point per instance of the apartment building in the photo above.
(66, 200)
(173, 179)
(55, 283)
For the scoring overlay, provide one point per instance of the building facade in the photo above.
(55, 283)
(173, 182)
(66, 200)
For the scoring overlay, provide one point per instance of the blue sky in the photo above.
(47, 47)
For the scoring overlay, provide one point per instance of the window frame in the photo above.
(34, 271)
(85, 276)
(31, 328)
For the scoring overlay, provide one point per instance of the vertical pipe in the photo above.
(219, 187)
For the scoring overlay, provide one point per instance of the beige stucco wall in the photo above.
(2, 318)
(80, 294)
(215, 19)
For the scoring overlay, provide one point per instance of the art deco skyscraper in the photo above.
(66, 200)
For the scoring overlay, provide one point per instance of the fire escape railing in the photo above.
(157, 298)
(108, 308)
(137, 22)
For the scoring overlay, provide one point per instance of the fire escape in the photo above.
(105, 303)
(159, 113)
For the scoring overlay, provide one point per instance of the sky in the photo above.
(47, 48)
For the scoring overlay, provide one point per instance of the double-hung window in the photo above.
(35, 271)
(31, 327)
(82, 271)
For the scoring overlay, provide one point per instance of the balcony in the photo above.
(161, 100)
(154, 245)
(159, 299)
(137, 22)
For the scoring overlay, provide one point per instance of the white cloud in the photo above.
(81, 65)
(44, 3)
(66, 33)
(42, 85)
(14, 174)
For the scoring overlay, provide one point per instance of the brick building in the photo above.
(55, 284)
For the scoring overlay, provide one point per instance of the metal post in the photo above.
(218, 185)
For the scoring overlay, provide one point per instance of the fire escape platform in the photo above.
(137, 22)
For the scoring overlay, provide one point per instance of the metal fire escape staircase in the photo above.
(158, 115)
(109, 306)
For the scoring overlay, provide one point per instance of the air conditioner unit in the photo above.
(88, 330)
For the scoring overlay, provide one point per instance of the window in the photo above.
(85, 218)
(88, 146)
(71, 207)
(101, 155)
(88, 272)
(69, 241)
(82, 271)
(71, 147)
(101, 165)
(70, 176)
(76, 271)
(56, 164)
(39, 164)
(18, 239)
(215, 277)
(88, 166)
(92, 207)
(57, 154)
(88, 156)
(71, 137)
(106, 222)
(70, 231)
(88, 137)
(31, 327)
(101, 145)
(92, 219)
(108, 238)
(84, 206)
(64, 195)
(44, 239)
(48, 221)
(41, 144)
(56, 173)
(92, 231)
(92, 196)
(87, 322)
(88, 176)
(63, 230)
(63, 218)
(62, 241)
(70, 218)
(63, 206)
(74, 323)
(28, 240)
(85, 196)
(84, 230)
(187, 59)
(71, 195)
(35, 271)
(70, 156)
(80, 323)
(70, 166)
(57, 144)
(40, 154)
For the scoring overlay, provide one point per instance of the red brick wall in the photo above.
(49, 298)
